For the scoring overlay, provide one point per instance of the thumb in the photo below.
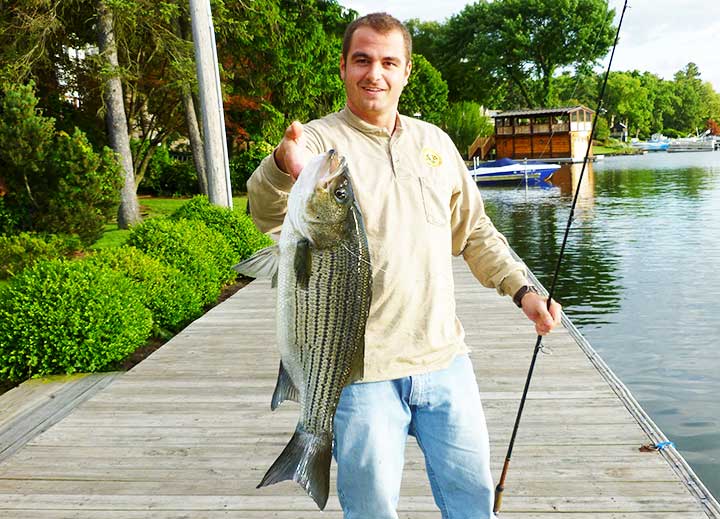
(294, 131)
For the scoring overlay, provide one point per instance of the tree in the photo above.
(581, 88)
(464, 122)
(129, 210)
(524, 42)
(426, 94)
(661, 99)
(54, 181)
(284, 67)
(688, 110)
(445, 48)
(628, 100)
(140, 66)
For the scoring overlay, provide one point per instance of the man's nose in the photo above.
(375, 71)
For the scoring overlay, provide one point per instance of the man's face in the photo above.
(375, 72)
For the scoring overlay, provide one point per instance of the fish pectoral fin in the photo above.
(284, 389)
(263, 264)
(303, 262)
(306, 460)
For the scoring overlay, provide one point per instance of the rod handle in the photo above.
(498, 498)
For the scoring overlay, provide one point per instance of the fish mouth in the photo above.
(336, 167)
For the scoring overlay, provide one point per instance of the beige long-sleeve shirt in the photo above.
(420, 207)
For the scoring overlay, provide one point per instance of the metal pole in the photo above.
(211, 106)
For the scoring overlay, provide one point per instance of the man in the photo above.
(419, 205)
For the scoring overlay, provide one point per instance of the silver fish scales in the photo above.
(324, 280)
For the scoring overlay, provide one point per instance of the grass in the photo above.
(614, 148)
(151, 208)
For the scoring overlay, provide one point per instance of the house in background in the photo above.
(544, 133)
(619, 131)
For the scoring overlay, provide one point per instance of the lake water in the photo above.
(640, 280)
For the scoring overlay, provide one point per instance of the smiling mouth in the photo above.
(373, 90)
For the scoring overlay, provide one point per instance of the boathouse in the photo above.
(544, 133)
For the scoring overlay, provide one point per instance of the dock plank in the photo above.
(188, 432)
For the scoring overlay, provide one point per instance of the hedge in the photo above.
(201, 253)
(62, 316)
(237, 228)
(167, 292)
(22, 250)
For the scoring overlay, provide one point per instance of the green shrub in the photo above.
(426, 93)
(166, 291)
(464, 122)
(22, 250)
(244, 163)
(55, 182)
(63, 316)
(201, 253)
(85, 195)
(168, 176)
(237, 228)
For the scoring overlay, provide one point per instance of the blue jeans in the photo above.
(442, 410)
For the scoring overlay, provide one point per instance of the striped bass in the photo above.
(321, 266)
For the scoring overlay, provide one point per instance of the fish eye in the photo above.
(341, 194)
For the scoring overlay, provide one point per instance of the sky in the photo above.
(658, 36)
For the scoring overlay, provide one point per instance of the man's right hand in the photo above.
(291, 154)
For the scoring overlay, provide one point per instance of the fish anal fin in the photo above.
(303, 262)
(263, 264)
(305, 460)
(284, 389)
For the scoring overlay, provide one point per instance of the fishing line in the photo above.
(538, 344)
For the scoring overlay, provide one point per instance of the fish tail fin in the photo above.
(305, 460)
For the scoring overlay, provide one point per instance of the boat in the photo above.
(704, 142)
(657, 142)
(508, 170)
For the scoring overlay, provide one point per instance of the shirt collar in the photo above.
(370, 129)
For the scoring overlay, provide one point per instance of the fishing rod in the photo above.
(538, 343)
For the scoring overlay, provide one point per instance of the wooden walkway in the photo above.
(188, 432)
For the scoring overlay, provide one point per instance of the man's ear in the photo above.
(408, 69)
(342, 68)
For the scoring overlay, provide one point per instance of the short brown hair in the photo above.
(379, 22)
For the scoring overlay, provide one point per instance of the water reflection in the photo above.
(534, 226)
(567, 178)
(639, 279)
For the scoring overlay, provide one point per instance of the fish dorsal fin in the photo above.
(303, 262)
(284, 389)
(263, 264)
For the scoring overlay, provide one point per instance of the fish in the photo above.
(322, 271)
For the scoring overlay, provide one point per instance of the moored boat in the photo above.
(508, 170)
(704, 142)
(657, 142)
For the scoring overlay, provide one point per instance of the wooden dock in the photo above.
(188, 432)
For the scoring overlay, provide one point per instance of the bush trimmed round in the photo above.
(237, 228)
(166, 291)
(61, 316)
(201, 253)
(21, 250)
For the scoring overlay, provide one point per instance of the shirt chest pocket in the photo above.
(436, 199)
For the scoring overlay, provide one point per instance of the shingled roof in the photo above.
(543, 111)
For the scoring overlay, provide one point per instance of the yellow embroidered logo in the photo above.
(431, 157)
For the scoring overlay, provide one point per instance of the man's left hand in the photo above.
(535, 308)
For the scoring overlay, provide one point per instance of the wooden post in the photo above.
(216, 154)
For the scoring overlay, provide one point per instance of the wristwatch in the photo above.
(517, 298)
